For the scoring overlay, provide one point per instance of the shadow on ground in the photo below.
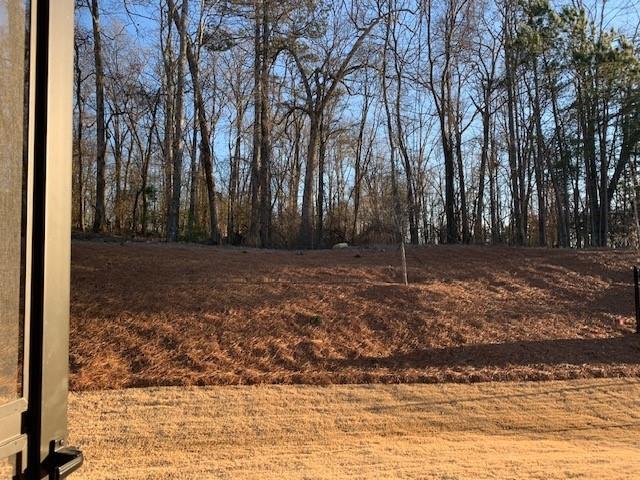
(575, 351)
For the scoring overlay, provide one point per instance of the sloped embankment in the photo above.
(157, 314)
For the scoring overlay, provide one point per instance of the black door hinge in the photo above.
(63, 462)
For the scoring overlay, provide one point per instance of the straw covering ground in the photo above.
(168, 315)
(587, 429)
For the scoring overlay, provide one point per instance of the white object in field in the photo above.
(404, 263)
(339, 246)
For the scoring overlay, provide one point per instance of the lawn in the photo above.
(588, 429)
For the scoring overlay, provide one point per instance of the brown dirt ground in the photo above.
(162, 315)
(587, 429)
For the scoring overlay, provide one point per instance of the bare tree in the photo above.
(101, 144)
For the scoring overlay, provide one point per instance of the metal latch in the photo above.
(63, 462)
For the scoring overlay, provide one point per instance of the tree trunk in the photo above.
(587, 126)
(560, 184)
(117, 165)
(357, 182)
(514, 164)
(205, 140)
(306, 228)
(446, 129)
(478, 232)
(294, 184)
(173, 221)
(254, 220)
(168, 62)
(466, 238)
(234, 176)
(320, 193)
(193, 175)
(101, 145)
(265, 131)
(494, 193)
(79, 195)
(539, 160)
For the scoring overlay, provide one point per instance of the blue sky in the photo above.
(142, 28)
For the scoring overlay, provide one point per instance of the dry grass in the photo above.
(588, 429)
(159, 315)
(6, 468)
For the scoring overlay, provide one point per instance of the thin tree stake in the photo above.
(404, 263)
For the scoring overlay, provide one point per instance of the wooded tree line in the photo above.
(303, 123)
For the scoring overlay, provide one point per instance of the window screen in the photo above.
(13, 121)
